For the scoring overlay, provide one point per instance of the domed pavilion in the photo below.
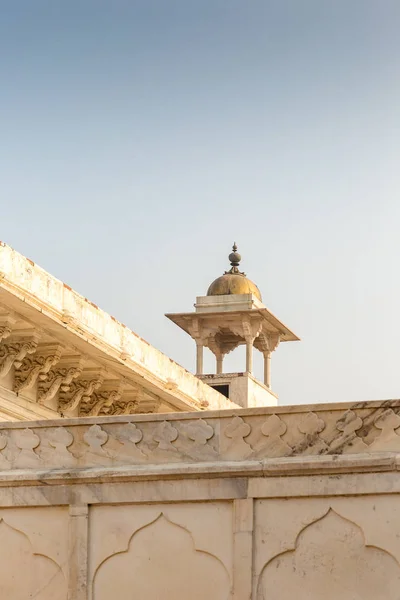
(230, 315)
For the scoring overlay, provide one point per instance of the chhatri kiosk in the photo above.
(230, 315)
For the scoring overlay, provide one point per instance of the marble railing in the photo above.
(276, 435)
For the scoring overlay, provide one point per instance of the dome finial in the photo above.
(233, 281)
(234, 259)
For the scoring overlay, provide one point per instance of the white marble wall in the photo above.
(185, 508)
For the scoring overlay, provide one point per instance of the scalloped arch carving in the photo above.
(161, 561)
(24, 574)
(330, 561)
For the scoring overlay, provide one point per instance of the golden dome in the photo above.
(233, 281)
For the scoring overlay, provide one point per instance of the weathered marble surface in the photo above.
(241, 505)
(212, 437)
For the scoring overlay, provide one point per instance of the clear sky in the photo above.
(139, 139)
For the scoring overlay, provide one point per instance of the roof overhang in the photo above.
(40, 303)
(270, 322)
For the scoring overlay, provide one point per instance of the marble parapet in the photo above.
(246, 504)
(347, 437)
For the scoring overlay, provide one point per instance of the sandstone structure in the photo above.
(263, 503)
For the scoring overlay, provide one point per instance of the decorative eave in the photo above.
(270, 323)
(76, 359)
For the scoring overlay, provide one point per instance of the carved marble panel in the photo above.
(33, 553)
(162, 551)
(337, 547)
(330, 560)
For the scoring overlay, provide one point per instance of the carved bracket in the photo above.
(60, 378)
(101, 401)
(14, 353)
(31, 369)
(80, 391)
(268, 343)
(6, 325)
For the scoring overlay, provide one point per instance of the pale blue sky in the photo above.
(139, 139)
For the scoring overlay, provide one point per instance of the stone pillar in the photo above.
(267, 368)
(220, 361)
(199, 358)
(78, 552)
(242, 548)
(249, 355)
